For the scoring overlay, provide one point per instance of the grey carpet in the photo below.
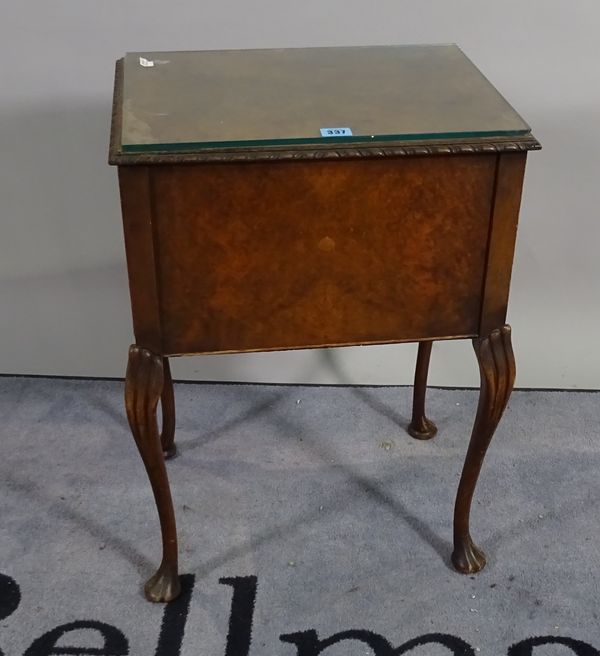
(317, 492)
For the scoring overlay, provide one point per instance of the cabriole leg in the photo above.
(420, 427)
(497, 370)
(143, 387)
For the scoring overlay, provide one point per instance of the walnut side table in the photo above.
(285, 199)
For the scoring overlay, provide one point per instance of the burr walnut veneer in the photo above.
(246, 230)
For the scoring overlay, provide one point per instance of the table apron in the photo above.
(256, 256)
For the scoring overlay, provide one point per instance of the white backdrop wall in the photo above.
(64, 306)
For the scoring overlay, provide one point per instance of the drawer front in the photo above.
(259, 256)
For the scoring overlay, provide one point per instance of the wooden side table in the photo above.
(283, 199)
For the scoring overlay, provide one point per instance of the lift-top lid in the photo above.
(281, 100)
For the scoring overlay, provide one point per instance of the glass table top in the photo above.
(189, 101)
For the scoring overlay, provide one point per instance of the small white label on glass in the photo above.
(336, 132)
(146, 62)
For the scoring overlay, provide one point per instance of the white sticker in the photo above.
(336, 132)
(146, 62)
